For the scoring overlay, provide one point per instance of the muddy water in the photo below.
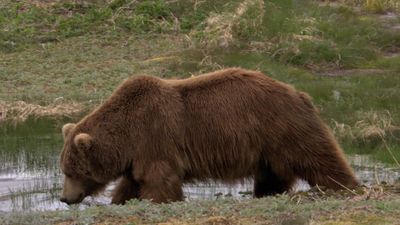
(30, 178)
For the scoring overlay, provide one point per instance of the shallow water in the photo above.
(30, 178)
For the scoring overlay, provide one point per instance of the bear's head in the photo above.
(76, 165)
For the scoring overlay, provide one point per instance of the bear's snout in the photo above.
(73, 191)
(75, 201)
(62, 199)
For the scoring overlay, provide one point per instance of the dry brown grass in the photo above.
(20, 111)
(221, 28)
(371, 125)
(342, 131)
(375, 125)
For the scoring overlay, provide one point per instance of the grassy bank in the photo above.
(80, 50)
(377, 205)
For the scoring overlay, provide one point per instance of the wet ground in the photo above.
(30, 178)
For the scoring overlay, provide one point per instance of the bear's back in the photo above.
(218, 77)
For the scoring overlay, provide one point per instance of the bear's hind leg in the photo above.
(267, 182)
(330, 171)
(161, 184)
(126, 189)
(325, 166)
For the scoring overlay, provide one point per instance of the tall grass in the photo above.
(315, 37)
(373, 129)
(303, 34)
(240, 20)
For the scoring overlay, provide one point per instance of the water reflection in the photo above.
(30, 178)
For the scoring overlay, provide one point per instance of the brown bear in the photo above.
(227, 125)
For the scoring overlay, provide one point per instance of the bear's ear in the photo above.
(66, 129)
(83, 141)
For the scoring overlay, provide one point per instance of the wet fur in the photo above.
(226, 125)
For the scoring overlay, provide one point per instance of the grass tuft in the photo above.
(370, 127)
(375, 125)
(239, 20)
(20, 111)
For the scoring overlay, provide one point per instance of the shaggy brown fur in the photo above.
(226, 125)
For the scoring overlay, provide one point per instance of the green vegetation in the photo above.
(315, 207)
(65, 57)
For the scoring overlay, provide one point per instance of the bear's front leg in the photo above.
(268, 182)
(126, 189)
(160, 183)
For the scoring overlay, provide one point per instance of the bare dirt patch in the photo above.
(355, 72)
(392, 51)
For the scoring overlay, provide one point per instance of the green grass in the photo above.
(295, 209)
(80, 69)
